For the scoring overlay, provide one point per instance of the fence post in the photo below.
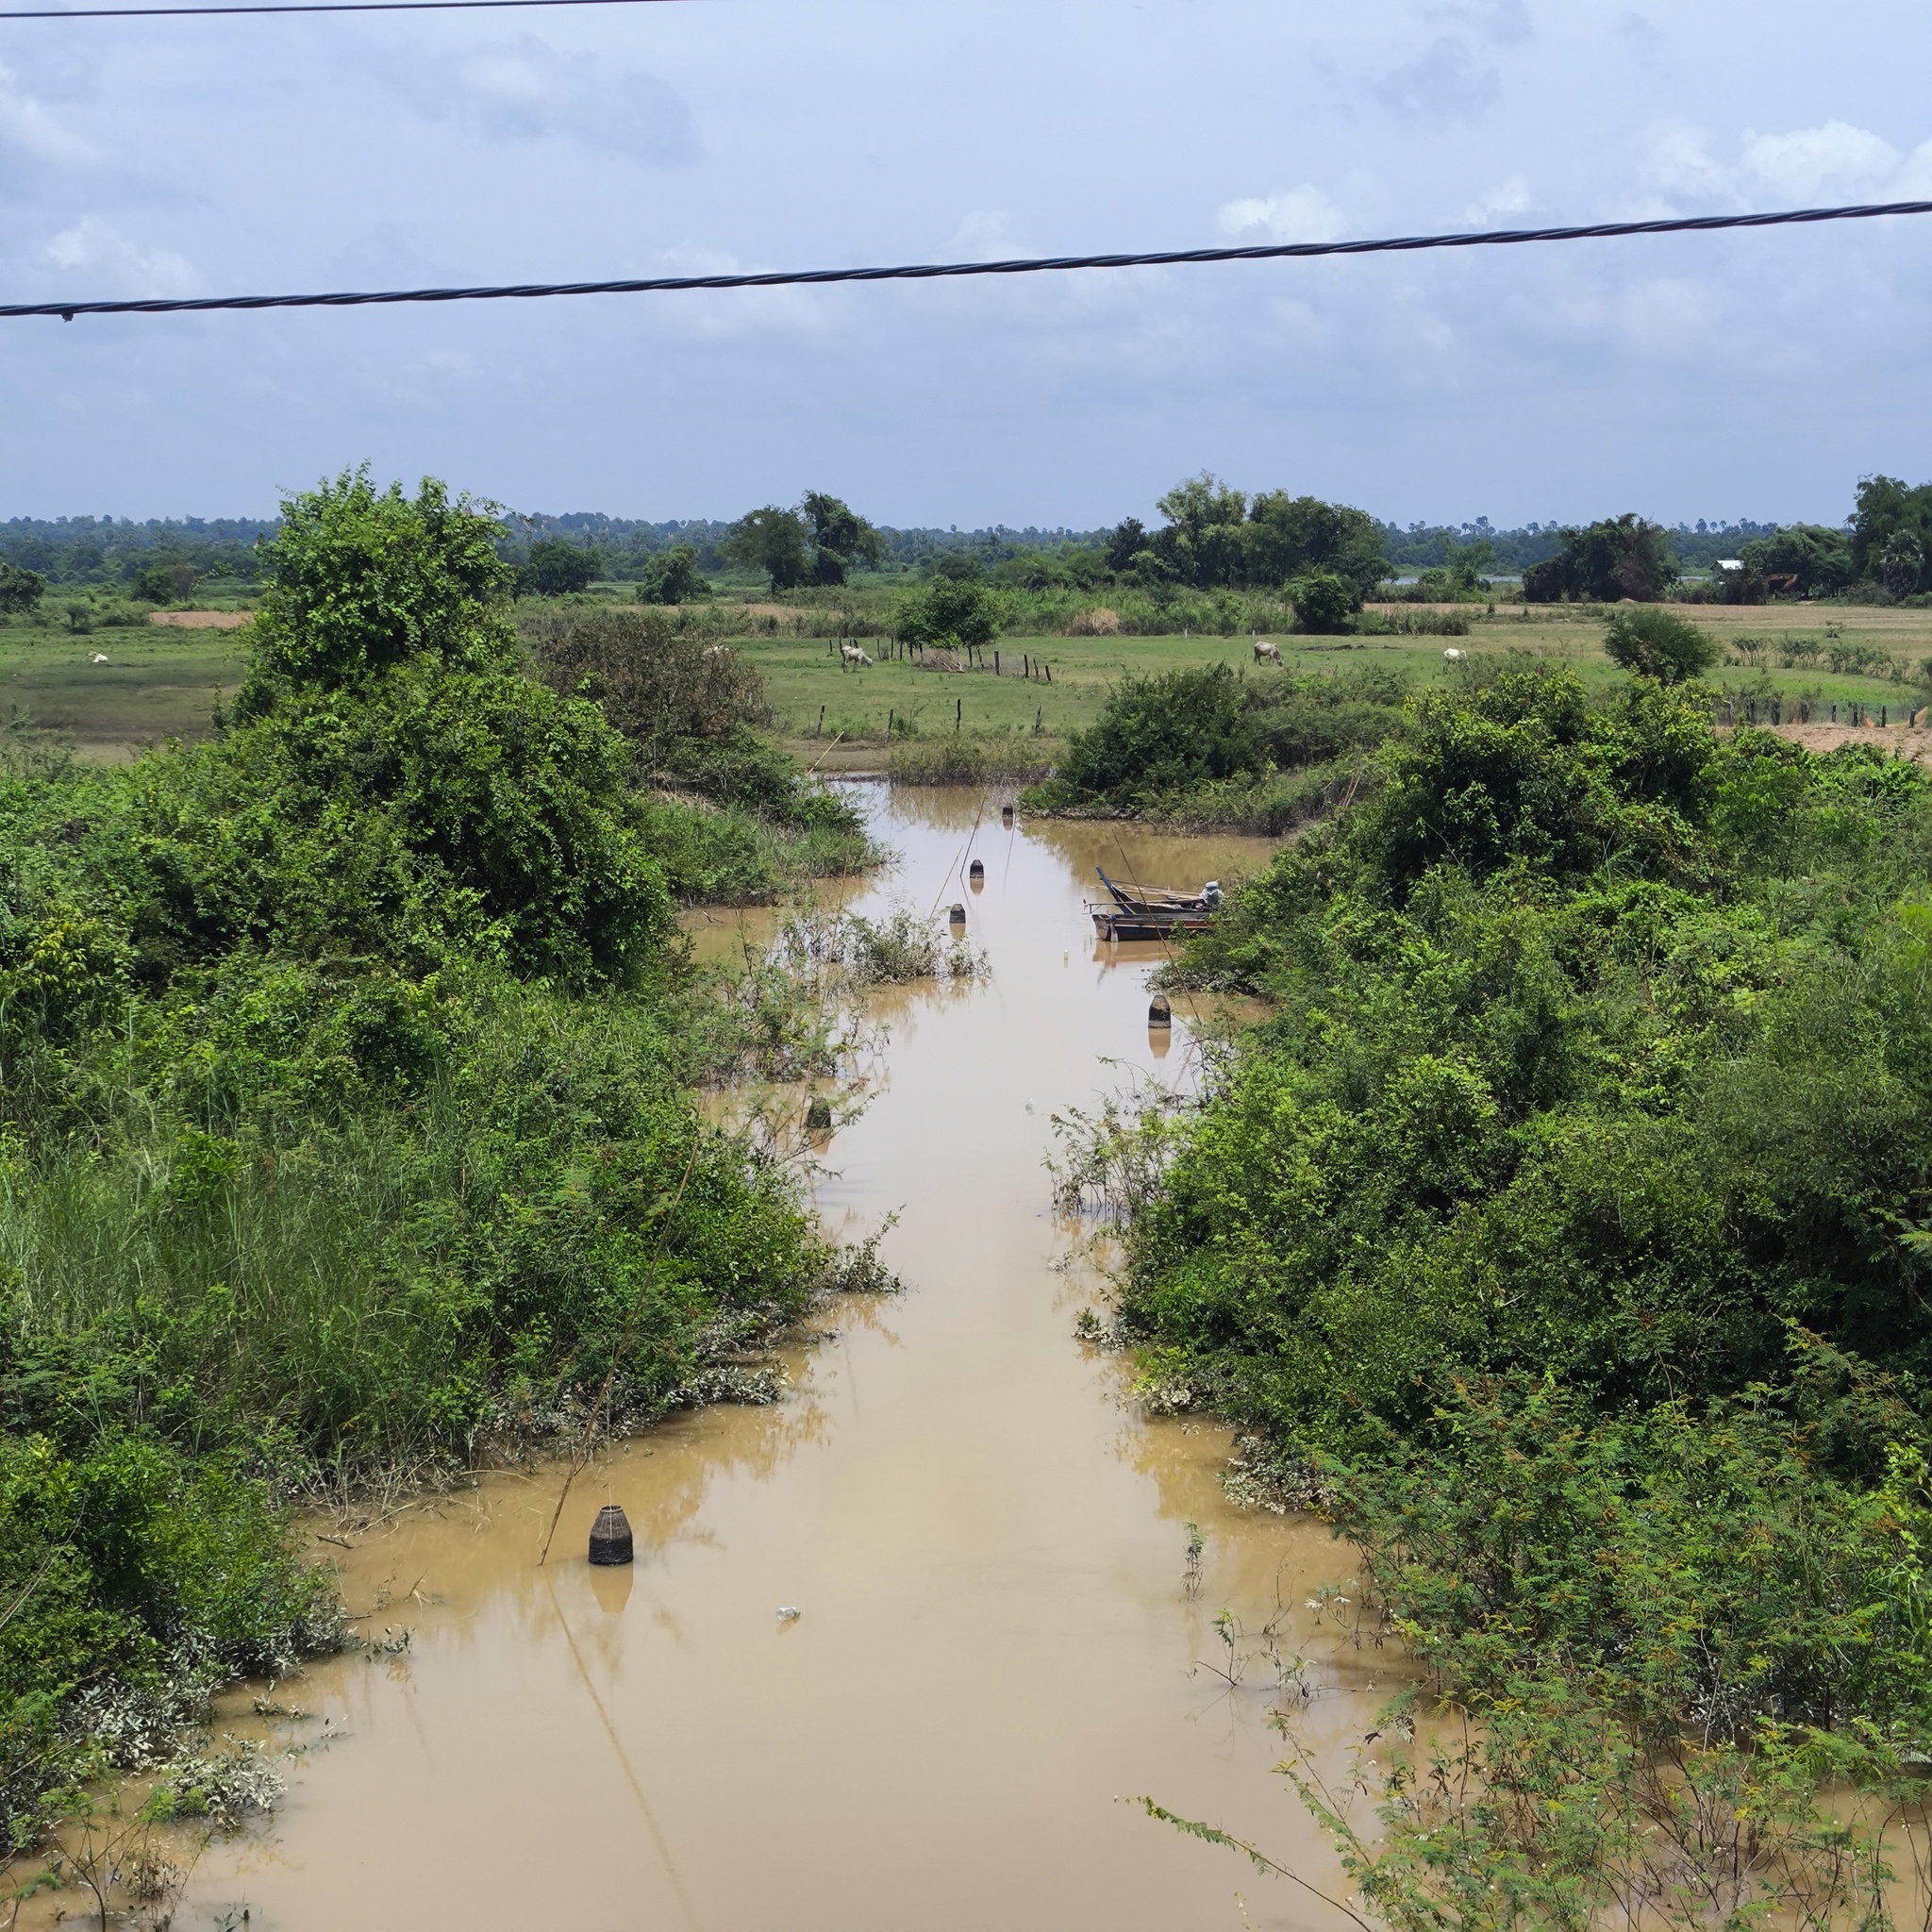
(1049, 674)
(958, 711)
(1036, 721)
(996, 664)
(822, 721)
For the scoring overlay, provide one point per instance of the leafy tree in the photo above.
(167, 582)
(1286, 536)
(1819, 557)
(558, 568)
(1620, 557)
(1126, 541)
(1324, 601)
(841, 541)
(771, 540)
(672, 577)
(1657, 643)
(360, 582)
(1886, 511)
(1901, 563)
(20, 590)
(948, 613)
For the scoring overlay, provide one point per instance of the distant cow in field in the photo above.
(1452, 655)
(96, 658)
(851, 654)
(1264, 650)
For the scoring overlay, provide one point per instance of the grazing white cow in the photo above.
(97, 656)
(1452, 655)
(1263, 649)
(851, 654)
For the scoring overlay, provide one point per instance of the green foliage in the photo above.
(362, 582)
(343, 1108)
(1892, 533)
(1658, 643)
(1565, 1228)
(21, 591)
(1620, 557)
(1165, 734)
(165, 582)
(672, 577)
(946, 613)
(557, 569)
(1205, 747)
(841, 541)
(1215, 538)
(1323, 601)
(770, 539)
(1820, 559)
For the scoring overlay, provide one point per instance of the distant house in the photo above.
(1730, 563)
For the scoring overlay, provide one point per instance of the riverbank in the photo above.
(1000, 1635)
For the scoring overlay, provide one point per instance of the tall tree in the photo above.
(839, 539)
(1608, 561)
(1892, 517)
(771, 540)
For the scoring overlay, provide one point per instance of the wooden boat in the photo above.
(1112, 922)
(1158, 903)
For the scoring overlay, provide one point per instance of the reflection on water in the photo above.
(997, 1635)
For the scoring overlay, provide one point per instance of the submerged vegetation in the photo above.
(346, 1121)
(1564, 1235)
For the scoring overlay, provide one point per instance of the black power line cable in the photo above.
(929, 272)
(303, 7)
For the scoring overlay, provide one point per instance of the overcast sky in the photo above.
(1756, 376)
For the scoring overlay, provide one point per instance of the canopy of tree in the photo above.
(1620, 557)
(557, 569)
(1891, 534)
(819, 542)
(20, 590)
(1214, 537)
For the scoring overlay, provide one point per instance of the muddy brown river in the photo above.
(997, 1642)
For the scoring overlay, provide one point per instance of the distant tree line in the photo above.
(1209, 537)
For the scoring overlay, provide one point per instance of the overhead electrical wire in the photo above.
(301, 7)
(932, 272)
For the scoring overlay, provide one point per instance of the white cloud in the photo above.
(1510, 196)
(25, 124)
(1289, 214)
(1831, 161)
(1678, 161)
(527, 90)
(1833, 157)
(982, 236)
(95, 251)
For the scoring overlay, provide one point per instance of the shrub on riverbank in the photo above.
(1212, 748)
(1563, 1230)
(344, 1120)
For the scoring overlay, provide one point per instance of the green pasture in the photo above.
(804, 673)
(162, 682)
(157, 683)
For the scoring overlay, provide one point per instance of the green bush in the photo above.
(344, 1116)
(1323, 601)
(948, 613)
(1562, 1231)
(1655, 642)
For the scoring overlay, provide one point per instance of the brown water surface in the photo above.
(995, 1640)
